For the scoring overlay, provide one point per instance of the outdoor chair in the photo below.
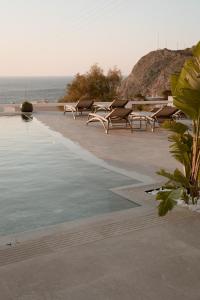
(114, 104)
(161, 115)
(155, 109)
(179, 115)
(79, 107)
(117, 116)
(156, 117)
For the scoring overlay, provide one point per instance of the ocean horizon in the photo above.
(33, 88)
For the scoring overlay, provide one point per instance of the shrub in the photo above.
(27, 107)
(95, 84)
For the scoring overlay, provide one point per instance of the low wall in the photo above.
(59, 106)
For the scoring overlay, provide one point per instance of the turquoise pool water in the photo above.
(46, 179)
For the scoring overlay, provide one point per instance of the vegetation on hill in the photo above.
(151, 75)
(94, 85)
(184, 185)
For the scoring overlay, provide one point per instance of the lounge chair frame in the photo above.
(79, 107)
(164, 113)
(160, 115)
(116, 116)
(140, 118)
(114, 104)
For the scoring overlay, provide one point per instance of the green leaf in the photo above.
(166, 174)
(180, 178)
(177, 178)
(168, 200)
(186, 86)
(176, 127)
(196, 51)
(174, 82)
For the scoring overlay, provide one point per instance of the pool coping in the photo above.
(147, 204)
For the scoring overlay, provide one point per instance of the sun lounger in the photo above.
(116, 117)
(114, 104)
(79, 107)
(164, 113)
(159, 116)
(155, 109)
(179, 115)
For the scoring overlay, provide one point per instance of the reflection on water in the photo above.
(27, 117)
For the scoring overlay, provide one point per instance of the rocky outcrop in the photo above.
(151, 75)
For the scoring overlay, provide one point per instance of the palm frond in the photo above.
(176, 127)
(168, 199)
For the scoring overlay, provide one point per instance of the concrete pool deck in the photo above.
(132, 254)
(142, 151)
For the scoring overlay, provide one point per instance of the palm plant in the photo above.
(185, 145)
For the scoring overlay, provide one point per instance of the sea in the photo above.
(18, 89)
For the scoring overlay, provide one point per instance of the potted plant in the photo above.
(27, 107)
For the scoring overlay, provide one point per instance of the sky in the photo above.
(63, 37)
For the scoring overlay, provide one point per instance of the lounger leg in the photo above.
(103, 122)
(88, 118)
(146, 121)
(128, 121)
(106, 128)
(132, 123)
(74, 116)
(153, 126)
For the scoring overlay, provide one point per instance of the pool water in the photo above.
(45, 181)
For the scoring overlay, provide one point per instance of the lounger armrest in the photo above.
(69, 107)
(101, 107)
(93, 115)
(150, 118)
(135, 115)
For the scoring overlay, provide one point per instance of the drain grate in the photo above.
(54, 242)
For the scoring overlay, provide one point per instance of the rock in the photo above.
(151, 75)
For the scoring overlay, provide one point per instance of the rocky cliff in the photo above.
(151, 75)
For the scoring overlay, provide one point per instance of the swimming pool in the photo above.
(46, 179)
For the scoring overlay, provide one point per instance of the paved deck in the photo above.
(132, 254)
(142, 151)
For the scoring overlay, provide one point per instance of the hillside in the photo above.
(151, 75)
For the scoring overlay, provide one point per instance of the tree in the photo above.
(114, 79)
(76, 89)
(94, 84)
(97, 83)
(186, 145)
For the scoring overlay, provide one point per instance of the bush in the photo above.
(95, 84)
(27, 107)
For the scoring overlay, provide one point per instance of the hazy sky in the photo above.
(63, 37)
